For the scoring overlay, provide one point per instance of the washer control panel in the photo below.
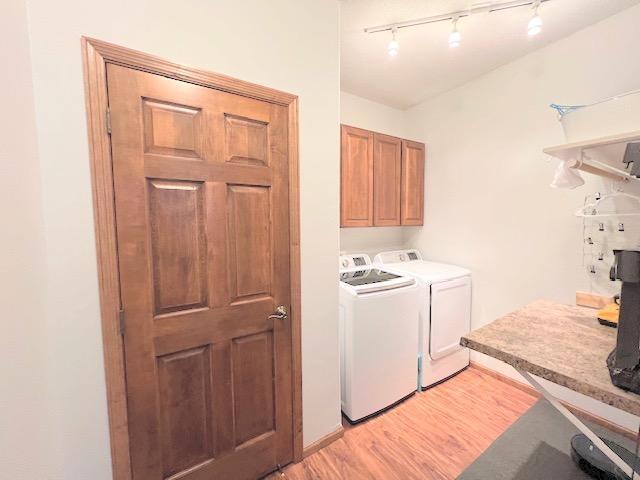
(354, 260)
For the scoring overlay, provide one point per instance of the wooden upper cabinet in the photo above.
(382, 180)
(412, 203)
(387, 170)
(356, 207)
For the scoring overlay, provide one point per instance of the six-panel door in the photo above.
(201, 194)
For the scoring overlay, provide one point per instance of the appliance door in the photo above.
(450, 316)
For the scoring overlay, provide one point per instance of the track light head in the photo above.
(454, 36)
(394, 46)
(534, 26)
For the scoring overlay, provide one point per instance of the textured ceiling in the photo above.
(426, 66)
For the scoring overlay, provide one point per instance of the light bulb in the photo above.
(454, 39)
(535, 25)
(394, 46)
(454, 36)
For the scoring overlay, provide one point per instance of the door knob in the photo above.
(279, 314)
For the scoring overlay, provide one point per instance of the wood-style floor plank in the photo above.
(433, 435)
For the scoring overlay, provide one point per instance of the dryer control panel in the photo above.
(397, 256)
(354, 260)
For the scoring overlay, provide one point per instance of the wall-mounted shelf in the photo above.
(576, 156)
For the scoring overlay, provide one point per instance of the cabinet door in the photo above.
(387, 170)
(356, 206)
(412, 204)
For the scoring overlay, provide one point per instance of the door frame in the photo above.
(96, 55)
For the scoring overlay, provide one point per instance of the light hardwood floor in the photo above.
(433, 435)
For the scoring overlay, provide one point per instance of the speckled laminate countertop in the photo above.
(564, 344)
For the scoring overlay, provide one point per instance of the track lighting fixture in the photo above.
(454, 36)
(534, 27)
(394, 46)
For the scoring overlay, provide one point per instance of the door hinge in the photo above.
(121, 320)
(107, 119)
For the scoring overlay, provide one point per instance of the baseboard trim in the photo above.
(505, 378)
(579, 412)
(323, 442)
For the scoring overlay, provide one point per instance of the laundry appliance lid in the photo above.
(430, 271)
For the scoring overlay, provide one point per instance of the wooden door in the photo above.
(202, 216)
(356, 205)
(412, 204)
(387, 168)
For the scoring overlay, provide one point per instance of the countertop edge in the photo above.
(554, 377)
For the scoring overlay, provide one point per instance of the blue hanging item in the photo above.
(564, 109)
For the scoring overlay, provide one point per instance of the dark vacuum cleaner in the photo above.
(624, 368)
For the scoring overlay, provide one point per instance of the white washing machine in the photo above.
(445, 312)
(378, 337)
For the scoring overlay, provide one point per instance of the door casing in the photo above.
(96, 55)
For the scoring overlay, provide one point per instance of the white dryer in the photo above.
(445, 312)
(378, 337)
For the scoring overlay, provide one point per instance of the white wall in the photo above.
(488, 202)
(371, 240)
(263, 42)
(22, 395)
(363, 113)
(360, 112)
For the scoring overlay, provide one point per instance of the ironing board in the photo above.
(563, 344)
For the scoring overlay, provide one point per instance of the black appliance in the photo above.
(624, 360)
(595, 463)
(624, 368)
